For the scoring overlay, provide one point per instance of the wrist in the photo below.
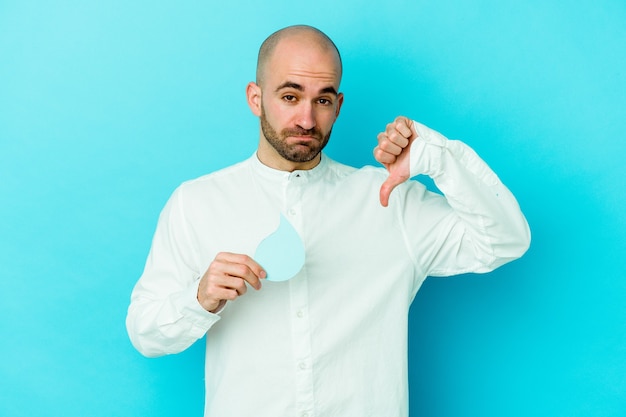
(218, 308)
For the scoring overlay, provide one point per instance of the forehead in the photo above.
(303, 59)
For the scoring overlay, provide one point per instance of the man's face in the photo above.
(298, 105)
(295, 144)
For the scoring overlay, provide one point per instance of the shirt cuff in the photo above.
(194, 313)
(425, 156)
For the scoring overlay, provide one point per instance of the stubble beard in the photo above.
(296, 152)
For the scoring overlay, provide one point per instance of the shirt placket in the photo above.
(299, 306)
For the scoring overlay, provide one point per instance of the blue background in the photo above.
(106, 106)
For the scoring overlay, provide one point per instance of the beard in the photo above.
(303, 151)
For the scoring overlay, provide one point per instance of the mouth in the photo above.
(303, 134)
(303, 139)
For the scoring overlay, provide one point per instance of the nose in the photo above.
(306, 116)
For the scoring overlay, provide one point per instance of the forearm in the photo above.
(161, 326)
(488, 217)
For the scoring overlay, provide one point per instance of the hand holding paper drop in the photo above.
(281, 254)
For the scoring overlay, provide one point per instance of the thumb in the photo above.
(398, 173)
(385, 190)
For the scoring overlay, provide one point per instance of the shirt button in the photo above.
(302, 365)
(300, 314)
(305, 414)
(292, 212)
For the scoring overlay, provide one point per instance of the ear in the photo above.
(253, 94)
(339, 104)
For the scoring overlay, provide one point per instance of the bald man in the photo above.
(332, 339)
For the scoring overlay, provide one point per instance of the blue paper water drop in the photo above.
(281, 253)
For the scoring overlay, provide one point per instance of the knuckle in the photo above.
(240, 270)
(213, 267)
(390, 147)
(230, 295)
(381, 155)
(212, 288)
(244, 258)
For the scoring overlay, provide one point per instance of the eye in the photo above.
(289, 98)
(325, 102)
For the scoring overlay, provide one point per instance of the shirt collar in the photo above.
(278, 175)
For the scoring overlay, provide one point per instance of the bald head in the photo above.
(307, 35)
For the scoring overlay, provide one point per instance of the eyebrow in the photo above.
(296, 86)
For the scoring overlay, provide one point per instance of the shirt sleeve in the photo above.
(164, 315)
(476, 227)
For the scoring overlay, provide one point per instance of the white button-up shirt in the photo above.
(332, 341)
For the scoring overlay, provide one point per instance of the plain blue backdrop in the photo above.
(106, 106)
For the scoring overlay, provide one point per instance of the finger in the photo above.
(384, 157)
(237, 284)
(386, 144)
(404, 126)
(386, 189)
(229, 282)
(394, 135)
(388, 186)
(223, 293)
(222, 282)
(385, 192)
(244, 267)
(215, 287)
(244, 273)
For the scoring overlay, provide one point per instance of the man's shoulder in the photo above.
(343, 170)
(230, 172)
(210, 185)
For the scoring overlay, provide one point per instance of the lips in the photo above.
(306, 135)
(303, 138)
